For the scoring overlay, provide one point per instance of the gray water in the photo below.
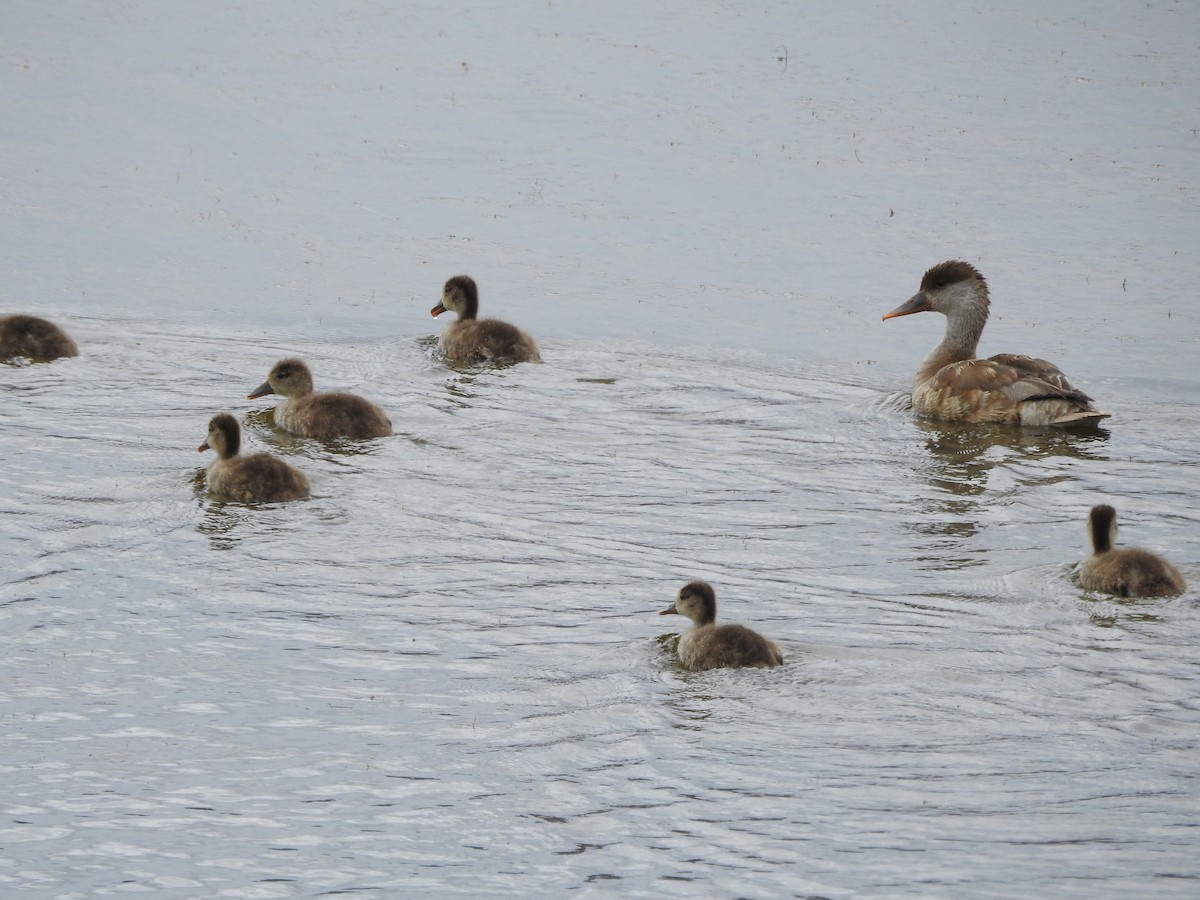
(445, 673)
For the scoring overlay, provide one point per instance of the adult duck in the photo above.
(707, 645)
(953, 386)
(471, 340)
(324, 416)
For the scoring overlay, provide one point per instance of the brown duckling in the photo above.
(710, 646)
(33, 337)
(259, 478)
(1129, 571)
(469, 340)
(323, 416)
(953, 386)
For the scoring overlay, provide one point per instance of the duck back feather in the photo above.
(36, 338)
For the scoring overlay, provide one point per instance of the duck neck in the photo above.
(1102, 536)
(470, 305)
(964, 325)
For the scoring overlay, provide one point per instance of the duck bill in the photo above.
(670, 610)
(437, 310)
(914, 304)
(202, 447)
(261, 391)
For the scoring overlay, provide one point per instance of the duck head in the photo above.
(288, 378)
(697, 600)
(459, 295)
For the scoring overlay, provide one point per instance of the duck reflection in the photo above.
(961, 460)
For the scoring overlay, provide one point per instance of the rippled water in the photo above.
(445, 671)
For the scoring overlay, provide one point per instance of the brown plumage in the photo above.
(33, 337)
(323, 416)
(954, 386)
(471, 340)
(1126, 572)
(710, 646)
(260, 478)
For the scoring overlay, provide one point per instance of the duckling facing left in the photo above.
(1126, 572)
(259, 478)
(471, 340)
(33, 337)
(710, 646)
(323, 416)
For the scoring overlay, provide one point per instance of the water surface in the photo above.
(445, 673)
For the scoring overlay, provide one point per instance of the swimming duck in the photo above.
(709, 646)
(260, 478)
(470, 340)
(323, 416)
(954, 386)
(33, 337)
(1128, 572)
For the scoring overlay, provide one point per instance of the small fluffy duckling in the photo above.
(953, 386)
(710, 646)
(33, 337)
(259, 478)
(1128, 572)
(322, 416)
(470, 340)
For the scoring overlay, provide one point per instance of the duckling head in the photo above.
(224, 436)
(459, 295)
(288, 378)
(1102, 527)
(697, 600)
(948, 287)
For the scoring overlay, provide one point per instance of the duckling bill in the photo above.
(324, 416)
(259, 478)
(33, 337)
(1126, 572)
(707, 645)
(470, 340)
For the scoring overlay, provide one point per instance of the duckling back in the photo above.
(333, 415)
(727, 647)
(1131, 572)
(33, 337)
(258, 478)
(473, 341)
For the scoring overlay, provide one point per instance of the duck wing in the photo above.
(1037, 379)
(1019, 390)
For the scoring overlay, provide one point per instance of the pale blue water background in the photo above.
(443, 674)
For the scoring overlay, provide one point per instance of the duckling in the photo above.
(954, 386)
(260, 478)
(33, 337)
(709, 646)
(470, 340)
(323, 416)
(1128, 572)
